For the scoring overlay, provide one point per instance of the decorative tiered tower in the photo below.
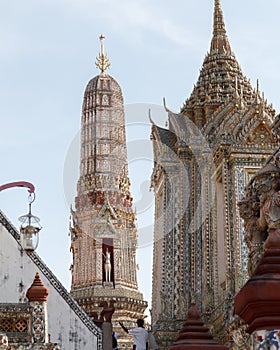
(203, 161)
(103, 231)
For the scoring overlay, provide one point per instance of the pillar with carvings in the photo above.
(37, 297)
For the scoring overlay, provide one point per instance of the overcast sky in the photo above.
(47, 54)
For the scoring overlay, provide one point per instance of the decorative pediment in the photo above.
(251, 125)
(254, 126)
(108, 211)
(261, 135)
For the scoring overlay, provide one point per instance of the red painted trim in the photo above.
(19, 184)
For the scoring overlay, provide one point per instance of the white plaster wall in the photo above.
(17, 268)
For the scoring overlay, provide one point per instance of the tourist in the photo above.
(140, 335)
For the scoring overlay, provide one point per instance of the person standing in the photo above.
(115, 336)
(140, 335)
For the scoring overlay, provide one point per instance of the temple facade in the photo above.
(210, 150)
(103, 230)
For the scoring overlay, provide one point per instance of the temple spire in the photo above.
(102, 61)
(219, 41)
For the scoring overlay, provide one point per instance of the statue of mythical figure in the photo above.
(268, 188)
(260, 209)
(249, 208)
(107, 265)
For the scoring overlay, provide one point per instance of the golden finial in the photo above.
(102, 61)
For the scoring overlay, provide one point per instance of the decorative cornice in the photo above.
(15, 307)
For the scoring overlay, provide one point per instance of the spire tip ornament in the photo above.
(102, 61)
(220, 42)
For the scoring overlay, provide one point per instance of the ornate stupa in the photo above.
(103, 230)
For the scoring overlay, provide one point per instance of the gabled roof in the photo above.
(54, 281)
(167, 137)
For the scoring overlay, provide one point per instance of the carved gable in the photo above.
(261, 135)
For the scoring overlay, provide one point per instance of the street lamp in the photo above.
(30, 227)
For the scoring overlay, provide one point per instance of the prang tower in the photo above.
(103, 231)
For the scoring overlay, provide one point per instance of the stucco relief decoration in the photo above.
(3, 341)
(260, 209)
(239, 336)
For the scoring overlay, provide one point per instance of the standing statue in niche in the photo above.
(107, 265)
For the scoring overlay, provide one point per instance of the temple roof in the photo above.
(220, 77)
(167, 137)
(223, 102)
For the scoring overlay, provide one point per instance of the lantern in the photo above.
(29, 230)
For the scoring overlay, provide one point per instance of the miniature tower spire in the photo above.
(258, 92)
(104, 233)
(220, 40)
(102, 61)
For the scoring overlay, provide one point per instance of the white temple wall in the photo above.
(17, 272)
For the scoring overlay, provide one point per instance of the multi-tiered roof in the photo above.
(221, 79)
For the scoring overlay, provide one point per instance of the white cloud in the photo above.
(132, 16)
